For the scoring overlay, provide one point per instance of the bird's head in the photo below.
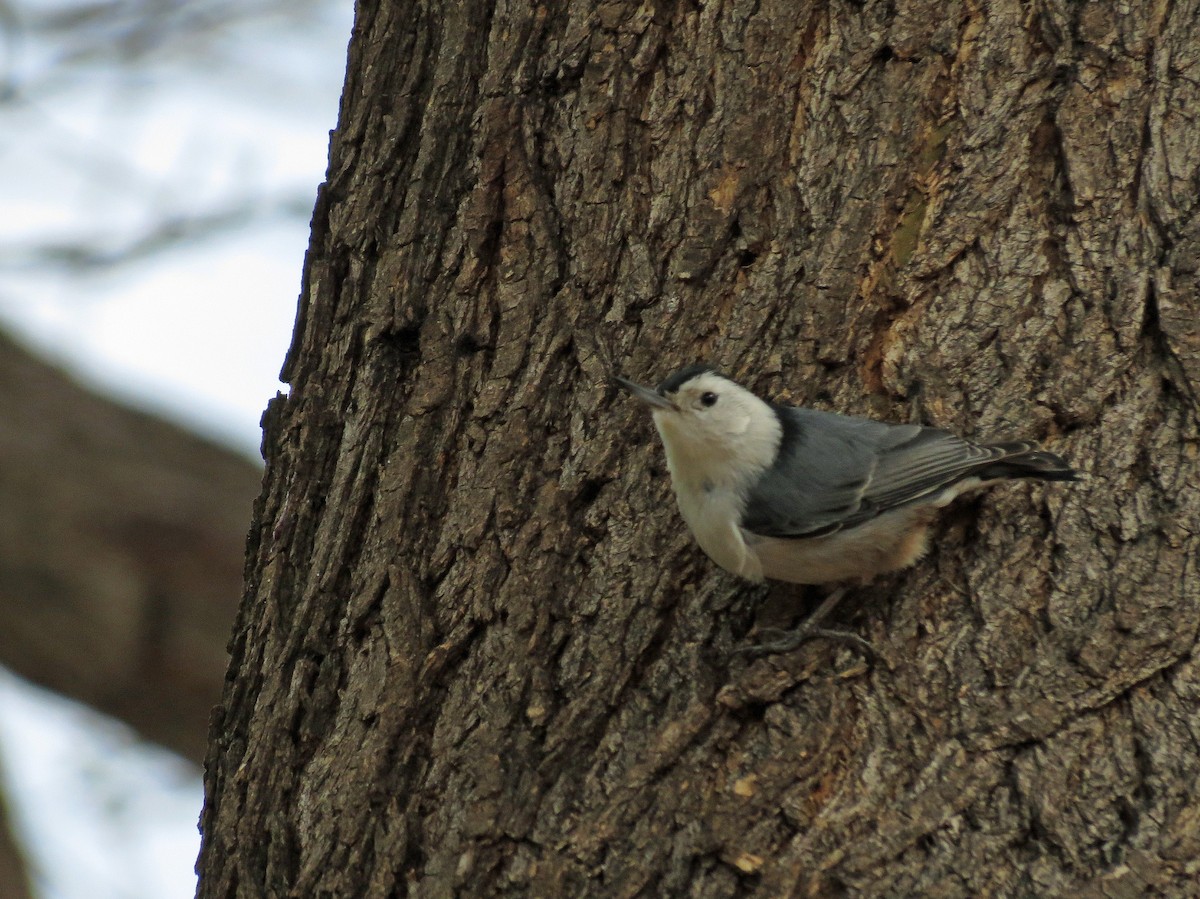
(714, 430)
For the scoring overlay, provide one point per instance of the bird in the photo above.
(812, 497)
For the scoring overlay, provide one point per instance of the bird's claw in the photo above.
(779, 641)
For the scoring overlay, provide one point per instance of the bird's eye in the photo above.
(708, 399)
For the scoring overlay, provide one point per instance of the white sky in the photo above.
(197, 333)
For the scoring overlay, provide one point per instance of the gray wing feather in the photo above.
(835, 472)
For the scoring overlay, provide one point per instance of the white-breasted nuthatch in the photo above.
(811, 497)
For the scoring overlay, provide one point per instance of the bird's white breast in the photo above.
(713, 516)
(711, 499)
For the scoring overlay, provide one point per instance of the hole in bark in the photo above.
(746, 255)
(590, 489)
(406, 341)
(562, 82)
(885, 54)
(468, 345)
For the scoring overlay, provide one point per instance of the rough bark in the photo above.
(478, 656)
(121, 551)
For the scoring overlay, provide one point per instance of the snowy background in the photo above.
(160, 163)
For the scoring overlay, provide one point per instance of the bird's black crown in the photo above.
(673, 382)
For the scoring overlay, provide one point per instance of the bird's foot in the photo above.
(776, 641)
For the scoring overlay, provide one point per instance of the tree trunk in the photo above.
(478, 655)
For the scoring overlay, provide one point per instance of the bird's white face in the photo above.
(715, 431)
(706, 409)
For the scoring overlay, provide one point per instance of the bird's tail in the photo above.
(1023, 459)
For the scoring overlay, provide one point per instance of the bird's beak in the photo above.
(651, 398)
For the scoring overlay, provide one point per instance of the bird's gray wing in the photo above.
(835, 472)
(929, 463)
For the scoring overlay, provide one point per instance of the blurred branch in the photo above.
(123, 114)
(128, 32)
(14, 877)
(85, 254)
